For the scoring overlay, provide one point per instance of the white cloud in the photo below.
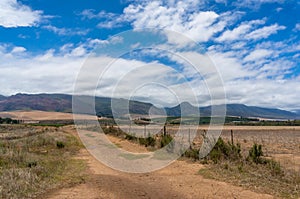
(221, 1)
(254, 83)
(66, 48)
(238, 32)
(55, 72)
(258, 55)
(275, 69)
(46, 72)
(255, 4)
(109, 24)
(108, 19)
(90, 14)
(18, 49)
(297, 27)
(23, 36)
(95, 42)
(264, 32)
(79, 51)
(199, 26)
(15, 14)
(66, 31)
(247, 31)
(229, 66)
(260, 92)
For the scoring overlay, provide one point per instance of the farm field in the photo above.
(279, 142)
(42, 115)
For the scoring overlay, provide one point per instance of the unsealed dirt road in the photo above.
(178, 180)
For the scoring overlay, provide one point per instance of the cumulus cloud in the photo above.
(260, 92)
(46, 72)
(54, 71)
(199, 25)
(250, 73)
(14, 14)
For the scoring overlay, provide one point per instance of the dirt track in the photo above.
(178, 180)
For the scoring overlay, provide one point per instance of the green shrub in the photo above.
(110, 130)
(165, 140)
(275, 167)
(192, 153)
(60, 144)
(149, 141)
(223, 150)
(32, 164)
(130, 137)
(255, 154)
(215, 156)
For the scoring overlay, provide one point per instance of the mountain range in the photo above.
(63, 103)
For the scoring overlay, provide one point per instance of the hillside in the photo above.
(2, 97)
(42, 102)
(63, 103)
(253, 111)
(187, 108)
(239, 110)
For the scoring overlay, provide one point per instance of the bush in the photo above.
(192, 153)
(165, 140)
(32, 164)
(275, 167)
(255, 154)
(223, 150)
(130, 137)
(111, 130)
(149, 141)
(60, 145)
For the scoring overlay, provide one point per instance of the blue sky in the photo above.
(253, 44)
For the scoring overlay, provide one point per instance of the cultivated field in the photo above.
(42, 115)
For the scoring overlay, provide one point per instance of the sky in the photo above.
(245, 51)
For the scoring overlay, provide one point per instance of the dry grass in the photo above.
(32, 163)
(260, 174)
(258, 178)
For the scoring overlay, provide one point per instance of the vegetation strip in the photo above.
(32, 165)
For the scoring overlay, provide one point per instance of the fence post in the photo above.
(190, 139)
(231, 134)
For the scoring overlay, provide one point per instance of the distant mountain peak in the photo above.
(187, 104)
